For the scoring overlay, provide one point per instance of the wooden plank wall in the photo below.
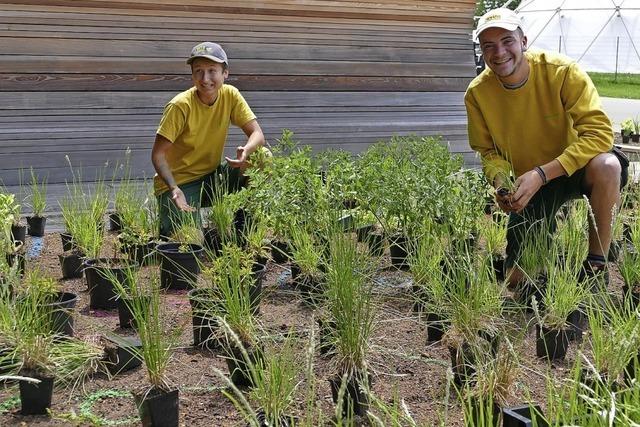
(88, 78)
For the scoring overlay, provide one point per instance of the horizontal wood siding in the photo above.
(85, 80)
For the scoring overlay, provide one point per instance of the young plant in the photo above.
(87, 236)
(187, 231)
(306, 252)
(627, 126)
(426, 265)
(494, 232)
(38, 189)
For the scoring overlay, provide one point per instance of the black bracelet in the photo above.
(541, 173)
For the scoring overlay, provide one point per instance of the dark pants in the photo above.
(198, 194)
(541, 211)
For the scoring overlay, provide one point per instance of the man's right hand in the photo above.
(503, 199)
(177, 196)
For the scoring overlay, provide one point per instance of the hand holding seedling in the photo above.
(241, 159)
(526, 186)
(177, 196)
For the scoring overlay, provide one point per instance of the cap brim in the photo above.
(213, 58)
(506, 26)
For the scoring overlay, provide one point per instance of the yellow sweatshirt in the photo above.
(556, 114)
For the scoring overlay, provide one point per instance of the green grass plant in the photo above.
(38, 194)
(620, 86)
(306, 253)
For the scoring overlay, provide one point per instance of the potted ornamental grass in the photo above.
(138, 226)
(493, 229)
(38, 203)
(429, 283)
(180, 259)
(626, 129)
(306, 266)
(158, 402)
(351, 304)
(219, 218)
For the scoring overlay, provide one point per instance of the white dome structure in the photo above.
(602, 35)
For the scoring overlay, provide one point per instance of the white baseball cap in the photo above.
(500, 18)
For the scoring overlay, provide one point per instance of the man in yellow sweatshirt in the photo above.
(537, 115)
(189, 143)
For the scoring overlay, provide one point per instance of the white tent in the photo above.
(602, 35)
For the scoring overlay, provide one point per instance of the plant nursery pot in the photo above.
(19, 259)
(633, 294)
(158, 408)
(346, 223)
(19, 233)
(35, 399)
(239, 371)
(362, 232)
(376, 244)
(179, 270)
(114, 222)
(280, 251)
(121, 357)
(523, 416)
(355, 399)
(635, 137)
(283, 421)
(462, 363)
(436, 327)
(241, 222)
(142, 253)
(295, 271)
(311, 287)
(203, 315)
(625, 139)
(125, 317)
(398, 249)
(349, 203)
(36, 225)
(71, 265)
(551, 344)
(62, 313)
(631, 370)
(258, 272)
(212, 241)
(497, 263)
(326, 328)
(102, 294)
(479, 416)
(577, 321)
(67, 242)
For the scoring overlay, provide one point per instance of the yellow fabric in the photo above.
(557, 114)
(198, 132)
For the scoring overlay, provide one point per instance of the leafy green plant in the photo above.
(627, 126)
(494, 231)
(87, 236)
(306, 253)
(426, 265)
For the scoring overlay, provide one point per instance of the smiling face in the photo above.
(208, 77)
(503, 52)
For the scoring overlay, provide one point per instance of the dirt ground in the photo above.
(401, 361)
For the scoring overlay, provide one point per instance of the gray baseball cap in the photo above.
(209, 50)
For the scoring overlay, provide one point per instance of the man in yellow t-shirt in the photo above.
(538, 115)
(187, 152)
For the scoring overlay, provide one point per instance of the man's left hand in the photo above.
(241, 160)
(526, 185)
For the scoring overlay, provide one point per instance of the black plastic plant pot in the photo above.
(121, 356)
(179, 270)
(114, 222)
(326, 344)
(481, 414)
(206, 328)
(212, 240)
(436, 327)
(280, 251)
(241, 222)
(71, 265)
(551, 344)
(295, 271)
(35, 399)
(376, 244)
(523, 416)
(102, 294)
(631, 370)
(158, 408)
(67, 242)
(577, 321)
(398, 250)
(125, 317)
(349, 203)
(362, 232)
(355, 399)
(239, 369)
(258, 271)
(497, 263)
(62, 313)
(36, 225)
(462, 363)
(19, 233)
(142, 253)
(19, 259)
(283, 421)
(346, 223)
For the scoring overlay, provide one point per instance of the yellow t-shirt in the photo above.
(556, 114)
(198, 132)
